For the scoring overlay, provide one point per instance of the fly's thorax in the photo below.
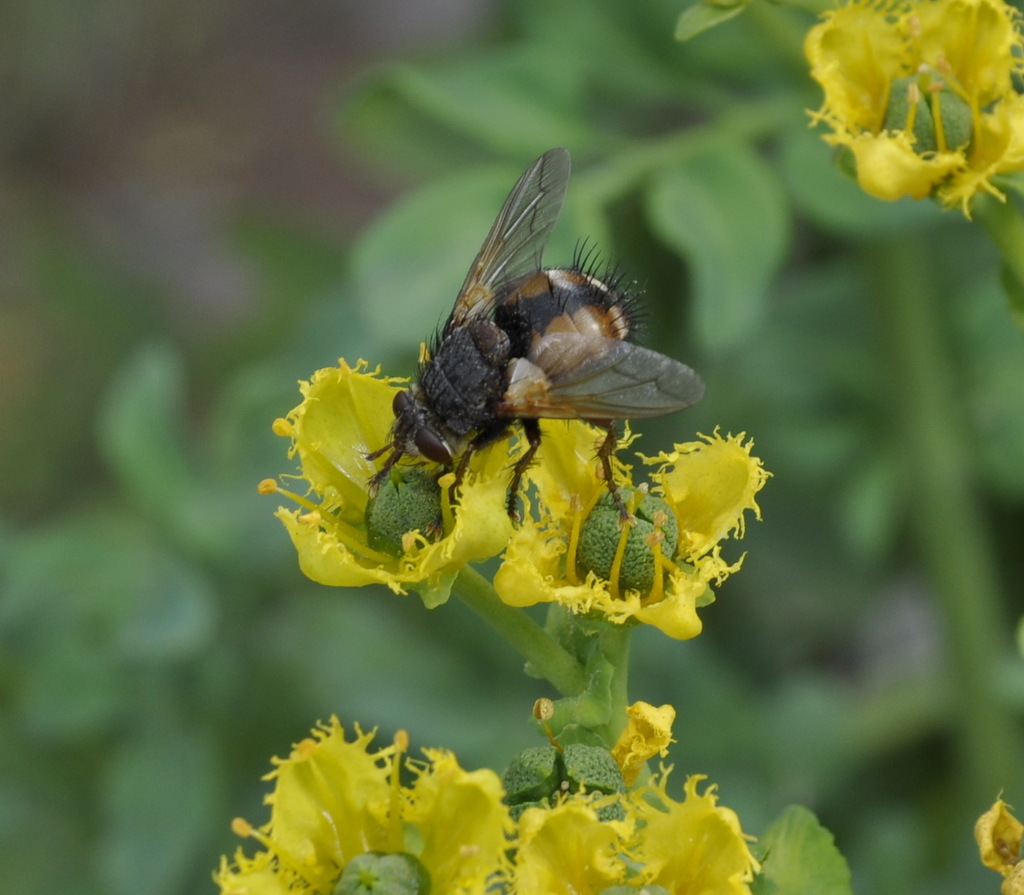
(465, 378)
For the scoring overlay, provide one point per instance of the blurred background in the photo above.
(203, 203)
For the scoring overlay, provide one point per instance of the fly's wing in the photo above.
(572, 376)
(517, 237)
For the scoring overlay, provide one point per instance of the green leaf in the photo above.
(516, 101)
(162, 801)
(141, 431)
(409, 265)
(704, 15)
(723, 211)
(799, 857)
(87, 604)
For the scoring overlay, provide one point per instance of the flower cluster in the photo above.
(571, 549)
(342, 821)
(921, 93)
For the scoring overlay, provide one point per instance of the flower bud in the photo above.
(541, 772)
(592, 768)
(408, 500)
(534, 774)
(599, 540)
(383, 873)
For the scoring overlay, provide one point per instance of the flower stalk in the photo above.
(948, 523)
(545, 657)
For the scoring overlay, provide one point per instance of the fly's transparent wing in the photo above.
(515, 243)
(571, 376)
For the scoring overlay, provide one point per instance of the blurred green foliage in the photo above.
(158, 643)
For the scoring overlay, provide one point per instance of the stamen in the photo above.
(395, 838)
(544, 711)
(576, 505)
(654, 540)
(620, 552)
(913, 98)
(936, 105)
(303, 502)
(657, 592)
(445, 483)
(282, 427)
(241, 827)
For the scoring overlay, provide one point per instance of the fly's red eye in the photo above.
(432, 447)
(400, 402)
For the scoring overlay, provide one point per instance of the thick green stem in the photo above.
(615, 642)
(545, 656)
(949, 524)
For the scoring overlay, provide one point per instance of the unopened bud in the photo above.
(408, 500)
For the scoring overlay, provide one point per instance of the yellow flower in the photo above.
(998, 834)
(648, 733)
(335, 801)
(568, 850)
(694, 845)
(345, 416)
(708, 485)
(688, 846)
(921, 93)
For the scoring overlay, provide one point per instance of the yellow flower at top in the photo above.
(344, 417)
(700, 493)
(921, 93)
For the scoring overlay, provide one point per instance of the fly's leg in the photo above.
(604, 454)
(532, 430)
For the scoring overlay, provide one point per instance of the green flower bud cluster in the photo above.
(599, 539)
(933, 109)
(409, 500)
(541, 773)
(383, 873)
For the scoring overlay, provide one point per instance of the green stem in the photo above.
(949, 524)
(545, 656)
(615, 643)
(1005, 227)
(630, 165)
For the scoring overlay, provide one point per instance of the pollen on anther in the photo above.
(282, 427)
(543, 709)
(241, 827)
(402, 740)
(654, 537)
(267, 486)
(305, 748)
